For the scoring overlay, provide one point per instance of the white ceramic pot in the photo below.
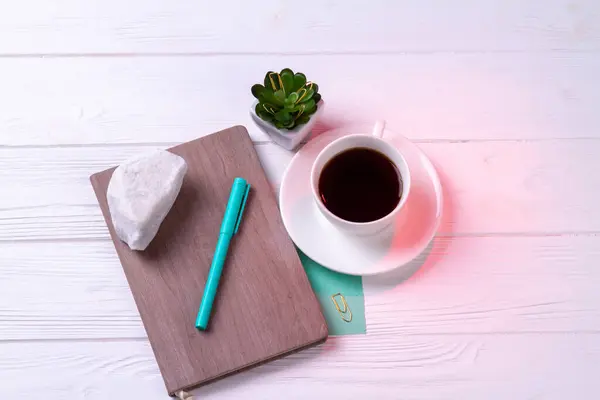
(286, 138)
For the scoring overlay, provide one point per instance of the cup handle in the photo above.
(379, 128)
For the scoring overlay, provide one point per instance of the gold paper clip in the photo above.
(345, 310)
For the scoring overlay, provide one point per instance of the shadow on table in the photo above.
(266, 371)
(433, 253)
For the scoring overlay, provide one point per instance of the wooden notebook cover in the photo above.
(265, 307)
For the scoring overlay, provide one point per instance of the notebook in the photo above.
(265, 307)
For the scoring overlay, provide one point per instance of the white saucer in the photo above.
(413, 230)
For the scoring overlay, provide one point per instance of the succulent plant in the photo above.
(286, 99)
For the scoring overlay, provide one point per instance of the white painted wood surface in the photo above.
(502, 95)
(127, 99)
(331, 26)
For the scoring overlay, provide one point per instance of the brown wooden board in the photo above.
(265, 307)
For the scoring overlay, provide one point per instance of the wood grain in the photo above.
(496, 367)
(505, 307)
(265, 307)
(490, 188)
(64, 101)
(467, 285)
(100, 27)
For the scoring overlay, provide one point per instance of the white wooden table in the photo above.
(503, 95)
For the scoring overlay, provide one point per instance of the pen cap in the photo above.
(235, 206)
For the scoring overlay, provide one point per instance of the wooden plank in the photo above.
(490, 187)
(395, 367)
(66, 101)
(470, 285)
(31, 27)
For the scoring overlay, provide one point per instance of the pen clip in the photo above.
(239, 216)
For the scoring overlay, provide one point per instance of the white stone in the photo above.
(140, 194)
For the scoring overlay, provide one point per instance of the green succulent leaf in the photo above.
(293, 97)
(283, 116)
(299, 81)
(316, 97)
(303, 119)
(305, 95)
(289, 104)
(269, 97)
(313, 86)
(266, 108)
(267, 81)
(265, 117)
(257, 90)
(280, 96)
(273, 81)
(287, 79)
(263, 112)
(310, 107)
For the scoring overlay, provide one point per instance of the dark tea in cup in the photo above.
(360, 184)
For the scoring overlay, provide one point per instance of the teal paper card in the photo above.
(327, 283)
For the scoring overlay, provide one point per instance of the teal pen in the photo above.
(229, 227)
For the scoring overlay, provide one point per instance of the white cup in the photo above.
(376, 142)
